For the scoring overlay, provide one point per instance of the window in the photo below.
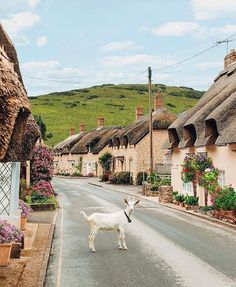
(221, 178)
(187, 187)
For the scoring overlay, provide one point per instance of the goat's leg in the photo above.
(119, 240)
(122, 234)
(93, 235)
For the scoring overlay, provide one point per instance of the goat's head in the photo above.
(131, 202)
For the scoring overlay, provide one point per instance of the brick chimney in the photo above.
(82, 127)
(230, 58)
(139, 112)
(100, 121)
(158, 101)
(72, 131)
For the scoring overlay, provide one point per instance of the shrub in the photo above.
(124, 178)
(113, 178)
(91, 174)
(42, 164)
(165, 181)
(105, 161)
(191, 200)
(225, 199)
(77, 173)
(105, 176)
(180, 197)
(141, 176)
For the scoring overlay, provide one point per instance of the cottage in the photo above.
(18, 130)
(209, 128)
(80, 152)
(131, 146)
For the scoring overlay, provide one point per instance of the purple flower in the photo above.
(25, 208)
(9, 233)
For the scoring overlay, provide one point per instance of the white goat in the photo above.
(110, 221)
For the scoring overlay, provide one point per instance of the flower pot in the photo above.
(16, 250)
(181, 204)
(187, 207)
(5, 253)
(23, 221)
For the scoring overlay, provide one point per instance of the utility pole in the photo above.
(150, 117)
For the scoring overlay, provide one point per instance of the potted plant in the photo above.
(8, 234)
(174, 196)
(25, 211)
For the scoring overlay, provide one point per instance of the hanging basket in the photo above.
(5, 253)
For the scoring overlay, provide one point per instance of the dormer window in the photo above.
(173, 138)
(190, 135)
(211, 132)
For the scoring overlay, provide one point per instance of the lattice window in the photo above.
(5, 187)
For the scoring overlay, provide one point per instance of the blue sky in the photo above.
(65, 45)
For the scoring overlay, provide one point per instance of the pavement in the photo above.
(134, 190)
(30, 269)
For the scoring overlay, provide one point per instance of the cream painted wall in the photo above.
(224, 158)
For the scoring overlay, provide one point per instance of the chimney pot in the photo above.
(100, 121)
(72, 131)
(158, 101)
(139, 112)
(230, 58)
(82, 127)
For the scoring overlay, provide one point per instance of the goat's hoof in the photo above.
(125, 248)
(93, 250)
(120, 248)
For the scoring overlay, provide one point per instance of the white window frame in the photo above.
(221, 179)
(187, 187)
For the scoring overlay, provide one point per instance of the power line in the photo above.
(227, 40)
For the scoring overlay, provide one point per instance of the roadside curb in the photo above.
(195, 214)
(43, 270)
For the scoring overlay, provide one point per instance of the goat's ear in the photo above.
(137, 202)
(125, 200)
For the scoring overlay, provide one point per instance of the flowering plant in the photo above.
(25, 208)
(41, 191)
(225, 199)
(188, 172)
(9, 233)
(42, 164)
(209, 179)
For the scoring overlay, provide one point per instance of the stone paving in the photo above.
(30, 269)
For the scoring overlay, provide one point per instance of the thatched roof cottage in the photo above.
(18, 130)
(130, 147)
(209, 127)
(81, 151)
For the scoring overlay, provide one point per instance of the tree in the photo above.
(105, 161)
(42, 125)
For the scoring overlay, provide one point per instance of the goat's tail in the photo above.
(84, 214)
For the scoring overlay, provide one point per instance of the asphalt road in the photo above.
(165, 247)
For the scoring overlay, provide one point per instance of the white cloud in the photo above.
(210, 9)
(42, 41)
(120, 46)
(174, 28)
(33, 3)
(20, 22)
(45, 76)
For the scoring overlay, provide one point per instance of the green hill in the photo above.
(117, 103)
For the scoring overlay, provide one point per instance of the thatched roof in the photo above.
(136, 131)
(91, 141)
(16, 126)
(213, 119)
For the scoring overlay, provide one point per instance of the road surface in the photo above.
(165, 247)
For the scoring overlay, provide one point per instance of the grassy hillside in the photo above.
(117, 103)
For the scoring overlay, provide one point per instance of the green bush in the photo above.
(225, 199)
(191, 200)
(141, 176)
(180, 197)
(124, 178)
(165, 181)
